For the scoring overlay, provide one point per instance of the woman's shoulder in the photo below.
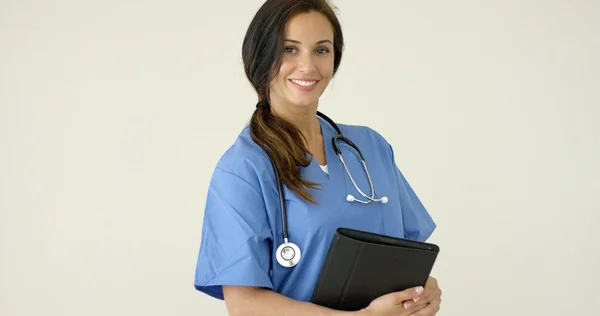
(363, 134)
(244, 158)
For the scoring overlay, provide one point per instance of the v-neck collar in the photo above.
(333, 165)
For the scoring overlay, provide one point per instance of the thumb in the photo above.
(408, 294)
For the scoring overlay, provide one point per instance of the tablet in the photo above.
(361, 266)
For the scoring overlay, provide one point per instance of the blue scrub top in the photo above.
(242, 220)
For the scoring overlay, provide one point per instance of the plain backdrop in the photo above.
(113, 115)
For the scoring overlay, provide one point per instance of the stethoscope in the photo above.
(288, 254)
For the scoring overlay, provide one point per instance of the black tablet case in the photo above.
(361, 266)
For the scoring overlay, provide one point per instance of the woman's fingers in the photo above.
(427, 297)
(432, 290)
(406, 295)
(431, 294)
(429, 303)
(417, 305)
(429, 310)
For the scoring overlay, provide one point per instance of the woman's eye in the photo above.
(289, 49)
(322, 51)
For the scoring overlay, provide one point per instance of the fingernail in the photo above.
(419, 289)
(416, 299)
(407, 305)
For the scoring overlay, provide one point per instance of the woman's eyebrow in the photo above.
(319, 42)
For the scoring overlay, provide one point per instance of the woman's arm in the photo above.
(253, 301)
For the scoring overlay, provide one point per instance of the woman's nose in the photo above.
(306, 63)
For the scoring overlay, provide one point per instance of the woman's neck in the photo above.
(305, 120)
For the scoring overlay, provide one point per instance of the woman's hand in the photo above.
(411, 302)
(393, 304)
(428, 304)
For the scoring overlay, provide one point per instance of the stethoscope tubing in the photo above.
(290, 248)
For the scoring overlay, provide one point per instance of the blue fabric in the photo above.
(242, 221)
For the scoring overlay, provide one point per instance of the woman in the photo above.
(291, 51)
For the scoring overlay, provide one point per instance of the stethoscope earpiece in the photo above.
(351, 198)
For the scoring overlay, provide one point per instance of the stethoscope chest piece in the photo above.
(288, 254)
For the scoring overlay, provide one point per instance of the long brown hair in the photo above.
(262, 51)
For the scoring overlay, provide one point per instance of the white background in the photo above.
(114, 113)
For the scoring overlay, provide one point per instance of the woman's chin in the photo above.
(306, 102)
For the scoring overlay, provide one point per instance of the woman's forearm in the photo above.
(251, 301)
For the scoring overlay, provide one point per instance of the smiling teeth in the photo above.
(304, 83)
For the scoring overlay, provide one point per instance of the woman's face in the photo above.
(307, 63)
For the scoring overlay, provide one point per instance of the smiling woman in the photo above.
(291, 51)
(308, 65)
(290, 66)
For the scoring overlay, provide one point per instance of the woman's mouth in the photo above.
(304, 85)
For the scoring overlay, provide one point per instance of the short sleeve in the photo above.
(418, 224)
(235, 239)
